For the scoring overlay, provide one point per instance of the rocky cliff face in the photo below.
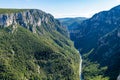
(38, 48)
(24, 19)
(101, 33)
(30, 19)
(91, 30)
(107, 53)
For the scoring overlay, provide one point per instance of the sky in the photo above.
(63, 8)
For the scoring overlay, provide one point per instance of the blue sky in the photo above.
(63, 8)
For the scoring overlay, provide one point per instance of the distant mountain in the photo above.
(35, 46)
(71, 23)
(98, 40)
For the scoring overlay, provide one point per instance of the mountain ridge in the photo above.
(34, 46)
(71, 23)
(98, 39)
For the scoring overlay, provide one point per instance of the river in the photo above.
(80, 68)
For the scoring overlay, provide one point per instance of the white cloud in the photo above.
(118, 0)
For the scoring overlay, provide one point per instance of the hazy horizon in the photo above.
(63, 8)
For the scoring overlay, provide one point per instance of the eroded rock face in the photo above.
(101, 33)
(46, 52)
(25, 19)
(34, 20)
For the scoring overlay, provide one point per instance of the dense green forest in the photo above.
(8, 11)
(24, 55)
(92, 70)
(34, 46)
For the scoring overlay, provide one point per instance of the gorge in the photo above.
(98, 41)
(36, 46)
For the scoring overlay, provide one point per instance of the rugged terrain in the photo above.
(71, 23)
(34, 46)
(98, 40)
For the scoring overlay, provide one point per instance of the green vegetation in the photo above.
(92, 70)
(99, 78)
(71, 23)
(3, 11)
(36, 52)
(24, 55)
